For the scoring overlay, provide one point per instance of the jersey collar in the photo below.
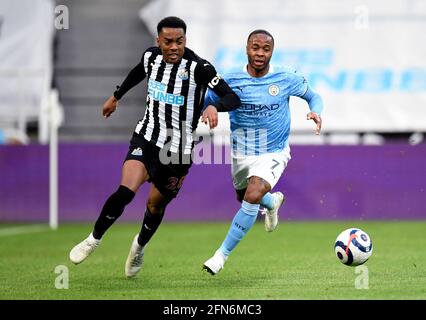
(271, 69)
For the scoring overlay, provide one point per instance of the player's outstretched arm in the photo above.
(109, 106)
(135, 76)
(316, 106)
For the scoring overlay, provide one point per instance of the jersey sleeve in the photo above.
(225, 99)
(298, 84)
(135, 76)
(314, 101)
(211, 98)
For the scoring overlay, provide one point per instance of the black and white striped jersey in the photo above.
(175, 97)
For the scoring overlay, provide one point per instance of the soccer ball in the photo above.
(353, 247)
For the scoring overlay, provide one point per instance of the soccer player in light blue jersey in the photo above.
(260, 129)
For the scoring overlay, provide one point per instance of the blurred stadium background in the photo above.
(365, 60)
(60, 60)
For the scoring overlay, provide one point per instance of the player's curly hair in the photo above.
(171, 22)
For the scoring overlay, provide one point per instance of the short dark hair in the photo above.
(171, 22)
(260, 31)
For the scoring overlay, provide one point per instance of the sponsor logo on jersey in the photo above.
(260, 110)
(260, 107)
(158, 92)
(213, 82)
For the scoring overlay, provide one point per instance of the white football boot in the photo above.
(134, 259)
(82, 250)
(215, 263)
(271, 216)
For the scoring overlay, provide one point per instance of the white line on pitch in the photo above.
(23, 229)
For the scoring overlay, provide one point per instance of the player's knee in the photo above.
(253, 196)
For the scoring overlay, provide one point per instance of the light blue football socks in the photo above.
(241, 224)
(268, 201)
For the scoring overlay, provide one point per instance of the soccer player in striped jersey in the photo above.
(260, 128)
(162, 143)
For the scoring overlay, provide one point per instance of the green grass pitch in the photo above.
(296, 261)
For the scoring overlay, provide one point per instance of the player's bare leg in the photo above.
(134, 174)
(256, 189)
(154, 214)
(271, 202)
(241, 224)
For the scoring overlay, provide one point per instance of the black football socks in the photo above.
(112, 210)
(149, 226)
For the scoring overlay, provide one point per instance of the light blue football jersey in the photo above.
(262, 123)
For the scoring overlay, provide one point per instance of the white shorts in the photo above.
(268, 166)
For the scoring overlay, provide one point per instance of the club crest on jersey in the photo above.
(183, 74)
(273, 90)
